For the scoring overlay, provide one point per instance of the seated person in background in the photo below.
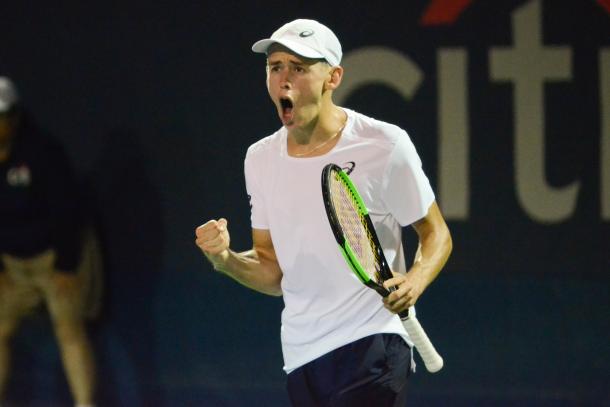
(41, 261)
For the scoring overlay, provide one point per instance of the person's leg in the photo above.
(63, 295)
(17, 298)
(8, 328)
(77, 357)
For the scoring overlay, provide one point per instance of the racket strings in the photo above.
(352, 220)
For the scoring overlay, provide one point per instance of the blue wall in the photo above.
(156, 105)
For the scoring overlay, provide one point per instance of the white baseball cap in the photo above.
(307, 38)
(8, 94)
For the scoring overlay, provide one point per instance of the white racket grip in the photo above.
(431, 358)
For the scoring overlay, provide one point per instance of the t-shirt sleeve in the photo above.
(252, 170)
(406, 190)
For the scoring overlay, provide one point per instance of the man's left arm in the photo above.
(434, 247)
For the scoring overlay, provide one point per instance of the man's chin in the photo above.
(287, 122)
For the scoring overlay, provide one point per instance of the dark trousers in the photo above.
(372, 371)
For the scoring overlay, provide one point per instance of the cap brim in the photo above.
(262, 46)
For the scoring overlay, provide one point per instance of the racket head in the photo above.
(353, 228)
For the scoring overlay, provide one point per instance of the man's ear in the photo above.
(334, 79)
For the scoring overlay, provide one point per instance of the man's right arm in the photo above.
(257, 268)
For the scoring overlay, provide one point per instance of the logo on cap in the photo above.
(306, 33)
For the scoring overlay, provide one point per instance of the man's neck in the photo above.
(323, 126)
(319, 137)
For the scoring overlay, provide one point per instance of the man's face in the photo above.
(296, 85)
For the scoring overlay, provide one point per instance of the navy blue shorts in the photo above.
(372, 371)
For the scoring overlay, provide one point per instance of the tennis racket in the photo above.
(355, 233)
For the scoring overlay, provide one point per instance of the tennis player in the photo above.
(342, 344)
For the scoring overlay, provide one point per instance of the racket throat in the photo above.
(381, 290)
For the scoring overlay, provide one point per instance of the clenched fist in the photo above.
(213, 238)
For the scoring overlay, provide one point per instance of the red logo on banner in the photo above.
(441, 12)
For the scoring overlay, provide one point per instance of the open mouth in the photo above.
(286, 103)
(287, 108)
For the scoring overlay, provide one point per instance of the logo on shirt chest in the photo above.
(19, 176)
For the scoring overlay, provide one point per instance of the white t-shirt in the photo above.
(326, 306)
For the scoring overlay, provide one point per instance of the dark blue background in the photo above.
(156, 103)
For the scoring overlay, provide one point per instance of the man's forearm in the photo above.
(432, 254)
(250, 270)
(434, 247)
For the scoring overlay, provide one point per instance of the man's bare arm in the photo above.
(257, 268)
(434, 248)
